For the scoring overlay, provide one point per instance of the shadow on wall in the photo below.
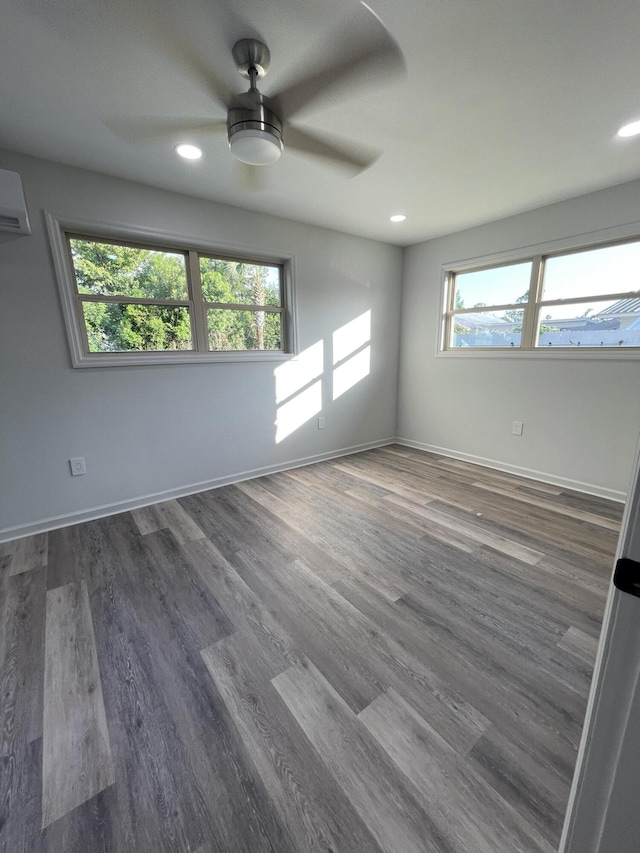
(298, 382)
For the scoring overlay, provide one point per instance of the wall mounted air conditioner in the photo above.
(13, 210)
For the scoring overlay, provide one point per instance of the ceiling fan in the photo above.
(255, 123)
(259, 128)
(254, 129)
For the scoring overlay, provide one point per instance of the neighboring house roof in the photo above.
(584, 324)
(623, 306)
(481, 321)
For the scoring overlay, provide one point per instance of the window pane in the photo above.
(106, 269)
(498, 286)
(236, 281)
(613, 269)
(119, 327)
(612, 323)
(487, 329)
(244, 330)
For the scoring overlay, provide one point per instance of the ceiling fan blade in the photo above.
(143, 129)
(218, 26)
(359, 52)
(349, 156)
(252, 178)
(168, 30)
(201, 71)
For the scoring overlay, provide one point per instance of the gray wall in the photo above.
(582, 418)
(145, 431)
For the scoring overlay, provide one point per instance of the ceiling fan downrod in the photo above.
(254, 130)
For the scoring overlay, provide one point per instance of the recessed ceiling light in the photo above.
(398, 217)
(632, 129)
(189, 152)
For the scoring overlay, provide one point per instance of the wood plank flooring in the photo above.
(74, 728)
(384, 653)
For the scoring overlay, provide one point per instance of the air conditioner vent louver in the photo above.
(13, 210)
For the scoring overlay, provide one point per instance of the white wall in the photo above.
(581, 418)
(145, 431)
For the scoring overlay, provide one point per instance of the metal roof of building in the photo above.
(623, 306)
(480, 321)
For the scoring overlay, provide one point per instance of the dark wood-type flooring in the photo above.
(386, 652)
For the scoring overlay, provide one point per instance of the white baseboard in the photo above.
(528, 473)
(42, 526)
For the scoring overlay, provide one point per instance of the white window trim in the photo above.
(590, 240)
(57, 229)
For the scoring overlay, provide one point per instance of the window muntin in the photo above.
(586, 298)
(133, 301)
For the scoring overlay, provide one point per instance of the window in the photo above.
(243, 303)
(131, 299)
(128, 301)
(583, 298)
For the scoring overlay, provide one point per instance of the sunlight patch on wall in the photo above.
(351, 372)
(298, 382)
(298, 396)
(298, 410)
(299, 371)
(350, 337)
(351, 353)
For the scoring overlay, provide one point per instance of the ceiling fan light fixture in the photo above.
(256, 147)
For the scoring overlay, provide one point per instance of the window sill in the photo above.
(154, 358)
(578, 353)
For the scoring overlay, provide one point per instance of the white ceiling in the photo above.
(506, 104)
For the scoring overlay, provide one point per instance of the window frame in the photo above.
(61, 229)
(536, 255)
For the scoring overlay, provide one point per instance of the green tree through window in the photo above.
(234, 291)
(107, 270)
(138, 299)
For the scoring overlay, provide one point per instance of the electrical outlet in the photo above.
(321, 422)
(517, 428)
(77, 466)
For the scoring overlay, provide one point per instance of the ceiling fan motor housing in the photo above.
(254, 130)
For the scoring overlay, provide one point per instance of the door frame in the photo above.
(614, 694)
